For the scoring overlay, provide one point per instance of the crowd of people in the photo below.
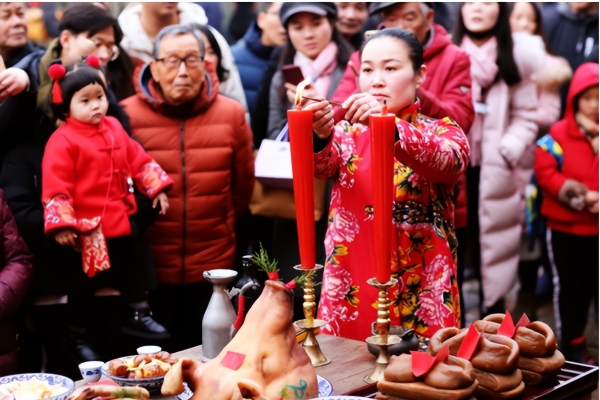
(127, 148)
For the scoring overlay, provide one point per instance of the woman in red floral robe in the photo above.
(430, 156)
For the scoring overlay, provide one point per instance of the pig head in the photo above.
(273, 363)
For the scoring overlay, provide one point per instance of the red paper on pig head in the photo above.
(233, 360)
(422, 362)
(469, 344)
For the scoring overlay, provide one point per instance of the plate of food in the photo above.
(145, 370)
(325, 387)
(35, 386)
(340, 398)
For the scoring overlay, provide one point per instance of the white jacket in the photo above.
(137, 44)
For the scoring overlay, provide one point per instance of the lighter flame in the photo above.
(300, 89)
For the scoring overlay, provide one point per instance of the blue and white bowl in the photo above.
(150, 384)
(52, 379)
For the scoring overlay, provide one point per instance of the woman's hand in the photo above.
(164, 203)
(322, 117)
(360, 106)
(66, 237)
(12, 82)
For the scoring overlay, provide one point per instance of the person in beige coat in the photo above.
(526, 17)
(505, 97)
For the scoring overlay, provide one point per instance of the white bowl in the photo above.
(90, 370)
(148, 349)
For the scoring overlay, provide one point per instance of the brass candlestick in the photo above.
(309, 323)
(382, 340)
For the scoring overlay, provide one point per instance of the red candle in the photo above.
(382, 173)
(301, 130)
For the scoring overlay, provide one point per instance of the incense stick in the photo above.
(330, 102)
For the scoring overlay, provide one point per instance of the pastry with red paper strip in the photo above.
(261, 360)
(449, 379)
(539, 358)
(494, 359)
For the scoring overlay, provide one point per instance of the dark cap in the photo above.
(376, 8)
(323, 9)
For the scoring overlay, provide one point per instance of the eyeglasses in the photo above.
(173, 62)
(112, 51)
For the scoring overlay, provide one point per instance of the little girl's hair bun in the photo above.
(57, 72)
(93, 61)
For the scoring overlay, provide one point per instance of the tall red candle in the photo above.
(382, 173)
(300, 124)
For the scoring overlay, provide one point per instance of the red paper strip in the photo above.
(233, 360)
(507, 327)
(524, 321)
(382, 175)
(301, 146)
(469, 344)
(443, 354)
(422, 362)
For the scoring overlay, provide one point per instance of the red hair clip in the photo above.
(93, 61)
(56, 72)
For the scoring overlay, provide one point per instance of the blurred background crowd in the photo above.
(206, 139)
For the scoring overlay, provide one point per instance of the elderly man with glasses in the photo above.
(202, 140)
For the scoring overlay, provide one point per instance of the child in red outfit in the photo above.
(89, 168)
(566, 169)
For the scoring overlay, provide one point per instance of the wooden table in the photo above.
(350, 363)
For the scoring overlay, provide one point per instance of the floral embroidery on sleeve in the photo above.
(153, 179)
(59, 213)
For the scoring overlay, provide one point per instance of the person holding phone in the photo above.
(314, 48)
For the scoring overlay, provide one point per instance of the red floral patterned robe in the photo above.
(430, 157)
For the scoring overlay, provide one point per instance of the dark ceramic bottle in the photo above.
(253, 291)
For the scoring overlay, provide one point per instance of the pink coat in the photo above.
(509, 126)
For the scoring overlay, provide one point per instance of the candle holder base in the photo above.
(310, 344)
(383, 359)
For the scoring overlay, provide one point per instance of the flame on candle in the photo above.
(384, 108)
(300, 89)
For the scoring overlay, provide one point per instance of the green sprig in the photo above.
(263, 261)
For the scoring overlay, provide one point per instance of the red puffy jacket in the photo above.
(579, 163)
(206, 148)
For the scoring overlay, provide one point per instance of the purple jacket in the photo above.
(16, 274)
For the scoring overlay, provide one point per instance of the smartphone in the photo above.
(292, 74)
(370, 33)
